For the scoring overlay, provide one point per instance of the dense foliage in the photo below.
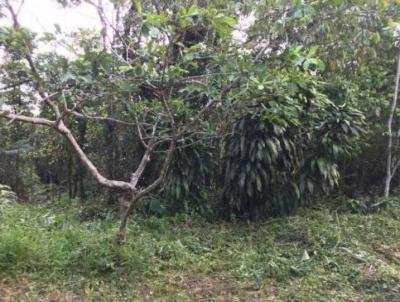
(292, 96)
(278, 157)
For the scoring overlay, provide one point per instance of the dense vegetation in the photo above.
(64, 252)
(213, 124)
(248, 110)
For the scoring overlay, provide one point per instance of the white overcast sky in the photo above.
(41, 15)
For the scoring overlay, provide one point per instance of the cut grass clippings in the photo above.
(59, 253)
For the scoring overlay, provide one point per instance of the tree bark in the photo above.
(81, 169)
(390, 166)
(125, 212)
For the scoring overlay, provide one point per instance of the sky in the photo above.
(41, 15)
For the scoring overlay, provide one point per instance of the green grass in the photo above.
(63, 252)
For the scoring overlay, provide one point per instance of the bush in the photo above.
(191, 177)
(275, 163)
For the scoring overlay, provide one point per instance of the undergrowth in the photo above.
(350, 252)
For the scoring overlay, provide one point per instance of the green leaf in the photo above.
(156, 20)
(223, 25)
(125, 68)
(376, 38)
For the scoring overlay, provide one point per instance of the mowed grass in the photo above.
(66, 252)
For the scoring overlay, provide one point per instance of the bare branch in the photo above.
(163, 171)
(29, 59)
(61, 128)
(84, 116)
(396, 164)
(143, 163)
(27, 119)
(89, 164)
(13, 85)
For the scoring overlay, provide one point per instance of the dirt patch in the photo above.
(217, 287)
(390, 251)
(11, 291)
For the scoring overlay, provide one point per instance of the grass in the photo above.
(66, 252)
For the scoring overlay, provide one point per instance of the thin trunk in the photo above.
(389, 160)
(110, 142)
(126, 209)
(69, 172)
(17, 182)
(81, 169)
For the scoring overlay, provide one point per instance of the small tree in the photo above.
(154, 65)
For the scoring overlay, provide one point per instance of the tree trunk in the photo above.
(388, 180)
(110, 157)
(69, 174)
(81, 169)
(126, 209)
(390, 168)
(123, 228)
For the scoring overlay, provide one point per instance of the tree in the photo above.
(392, 163)
(152, 65)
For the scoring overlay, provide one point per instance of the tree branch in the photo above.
(85, 116)
(116, 184)
(27, 119)
(61, 128)
(29, 59)
(142, 166)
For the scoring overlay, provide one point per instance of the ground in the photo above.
(66, 252)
